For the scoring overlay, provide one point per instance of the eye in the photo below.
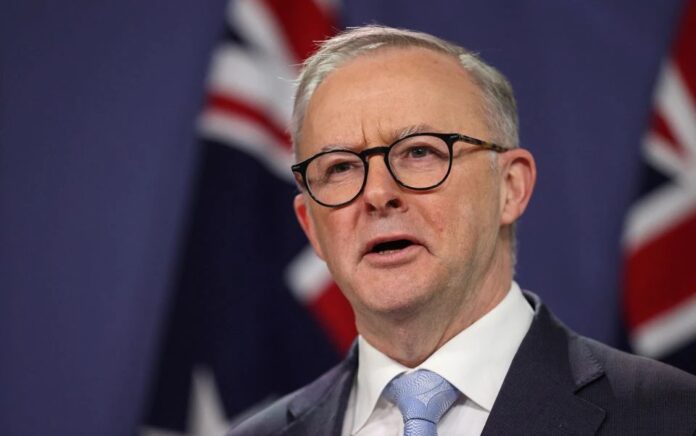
(422, 152)
(419, 151)
(336, 167)
(340, 167)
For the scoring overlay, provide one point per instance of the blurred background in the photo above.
(152, 277)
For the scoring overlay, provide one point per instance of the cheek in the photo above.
(448, 221)
(334, 233)
(438, 220)
(464, 228)
(464, 219)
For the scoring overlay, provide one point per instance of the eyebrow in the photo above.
(410, 130)
(396, 134)
(332, 147)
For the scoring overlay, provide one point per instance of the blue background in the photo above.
(98, 158)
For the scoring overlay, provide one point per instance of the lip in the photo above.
(394, 258)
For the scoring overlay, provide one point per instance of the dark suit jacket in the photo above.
(559, 383)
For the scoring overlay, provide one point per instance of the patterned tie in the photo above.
(422, 397)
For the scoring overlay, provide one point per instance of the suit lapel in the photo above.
(320, 408)
(538, 394)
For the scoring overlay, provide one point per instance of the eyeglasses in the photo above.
(420, 162)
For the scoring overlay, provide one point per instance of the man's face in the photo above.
(452, 231)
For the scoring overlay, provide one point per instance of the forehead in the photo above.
(371, 97)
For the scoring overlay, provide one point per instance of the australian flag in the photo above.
(660, 238)
(255, 313)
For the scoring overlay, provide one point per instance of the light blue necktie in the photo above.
(422, 397)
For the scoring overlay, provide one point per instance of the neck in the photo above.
(412, 337)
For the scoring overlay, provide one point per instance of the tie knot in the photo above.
(421, 394)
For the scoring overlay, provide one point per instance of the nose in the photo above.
(381, 194)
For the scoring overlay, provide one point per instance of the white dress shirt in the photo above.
(475, 361)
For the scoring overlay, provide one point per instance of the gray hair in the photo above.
(499, 102)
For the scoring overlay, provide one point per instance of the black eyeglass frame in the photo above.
(448, 138)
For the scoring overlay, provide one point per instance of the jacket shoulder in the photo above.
(276, 417)
(637, 375)
(653, 393)
(636, 395)
(268, 421)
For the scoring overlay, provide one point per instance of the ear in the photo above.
(518, 172)
(307, 223)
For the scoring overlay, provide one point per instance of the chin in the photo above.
(394, 301)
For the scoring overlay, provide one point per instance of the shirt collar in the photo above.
(475, 361)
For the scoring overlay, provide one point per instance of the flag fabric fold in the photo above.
(255, 312)
(660, 233)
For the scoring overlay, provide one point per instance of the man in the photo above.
(412, 180)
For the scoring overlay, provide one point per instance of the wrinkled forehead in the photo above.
(380, 93)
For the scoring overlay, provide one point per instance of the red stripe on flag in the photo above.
(684, 55)
(660, 127)
(303, 24)
(660, 275)
(335, 315)
(230, 104)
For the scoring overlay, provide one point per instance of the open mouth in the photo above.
(391, 246)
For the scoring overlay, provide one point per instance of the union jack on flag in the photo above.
(250, 105)
(660, 234)
(256, 313)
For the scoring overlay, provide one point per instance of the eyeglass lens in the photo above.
(418, 162)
